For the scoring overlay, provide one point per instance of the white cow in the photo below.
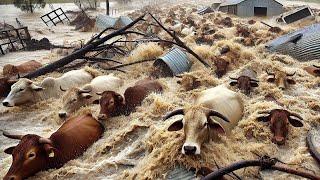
(216, 110)
(76, 98)
(26, 91)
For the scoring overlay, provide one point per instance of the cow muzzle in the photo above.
(12, 177)
(278, 140)
(190, 149)
(7, 103)
(63, 114)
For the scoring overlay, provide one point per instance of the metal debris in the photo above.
(302, 44)
(56, 16)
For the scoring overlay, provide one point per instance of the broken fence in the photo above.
(13, 39)
(55, 17)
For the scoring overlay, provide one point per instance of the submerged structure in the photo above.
(302, 44)
(247, 8)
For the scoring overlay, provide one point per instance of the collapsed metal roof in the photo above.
(302, 44)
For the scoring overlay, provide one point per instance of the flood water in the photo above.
(139, 146)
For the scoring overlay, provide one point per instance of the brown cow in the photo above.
(246, 80)
(221, 66)
(281, 79)
(5, 85)
(12, 70)
(113, 104)
(279, 121)
(35, 153)
(313, 70)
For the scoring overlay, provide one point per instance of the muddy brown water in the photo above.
(139, 146)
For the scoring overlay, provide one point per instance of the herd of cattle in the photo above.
(215, 111)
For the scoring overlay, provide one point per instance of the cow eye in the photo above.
(205, 124)
(73, 100)
(271, 80)
(31, 155)
(20, 90)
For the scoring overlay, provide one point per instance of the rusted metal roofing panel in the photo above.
(303, 44)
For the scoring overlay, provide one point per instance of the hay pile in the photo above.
(139, 146)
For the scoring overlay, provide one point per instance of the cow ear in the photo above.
(264, 118)
(86, 95)
(9, 150)
(216, 126)
(254, 84)
(291, 81)
(233, 83)
(97, 101)
(50, 150)
(295, 122)
(176, 126)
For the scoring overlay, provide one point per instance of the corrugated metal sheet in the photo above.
(176, 60)
(122, 21)
(105, 21)
(234, 2)
(303, 44)
(205, 10)
(181, 173)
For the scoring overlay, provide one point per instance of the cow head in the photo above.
(30, 156)
(221, 67)
(21, 92)
(111, 104)
(281, 79)
(198, 127)
(10, 70)
(188, 82)
(5, 85)
(244, 83)
(74, 99)
(279, 122)
(314, 70)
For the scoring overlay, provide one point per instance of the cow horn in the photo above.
(291, 74)
(269, 73)
(179, 76)
(83, 91)
(173, 113)
(316, 66)
(99, 93)
(45, 141)
(217, 114)
(6, 134)
(233, 78)
(296, 115)
(62, 89)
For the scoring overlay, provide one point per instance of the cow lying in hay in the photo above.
(35, 153)
(113, 104)
(279, 120)
(313, 70)
(75, 97)
(12, 70)
(216, 110)
(25, 90)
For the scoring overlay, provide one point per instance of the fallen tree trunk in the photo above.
(81, 52)
(264, 163)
